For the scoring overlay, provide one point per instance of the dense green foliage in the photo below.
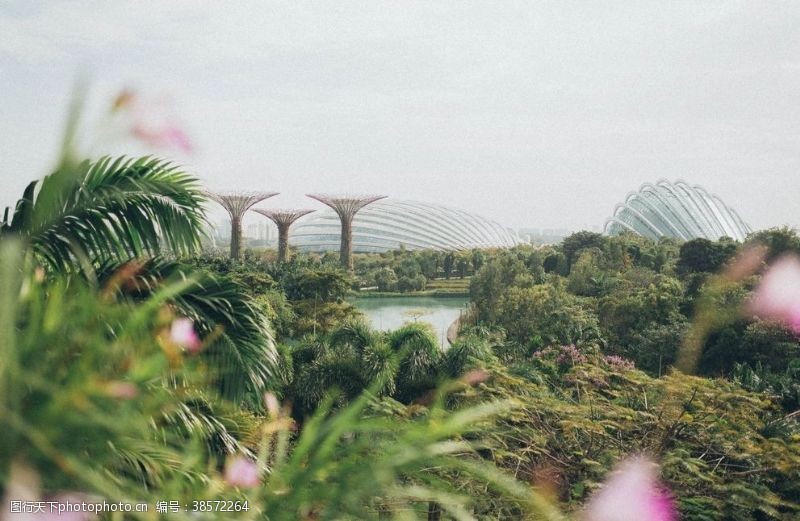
(130, 371)
(98, 399)
(405, 271)
(728, 447)
(633, 297)
(306, 296)
(106, 396)
(726, 453)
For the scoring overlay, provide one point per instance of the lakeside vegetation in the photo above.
(135, 368)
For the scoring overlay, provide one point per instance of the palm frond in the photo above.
(109, 210)
(243, 354)
(361, 462)
(355, 333)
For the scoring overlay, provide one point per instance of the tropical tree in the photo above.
(546, 315)
(702, 255)
(578, 241)
(96, 218)
(419, 355)
(493, 280)
(348, 361)
(386, 279)
(779, 241)
(640, 298)
(462, 264)
(116, 219)
(655, 348)
(477, 259)
(448, 264)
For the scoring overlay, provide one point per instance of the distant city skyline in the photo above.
(533, 114)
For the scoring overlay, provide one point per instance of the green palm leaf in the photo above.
(109, 210)
(243, 354)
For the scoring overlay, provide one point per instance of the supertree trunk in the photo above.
(346, 246)
(283, 242)
(236, 238)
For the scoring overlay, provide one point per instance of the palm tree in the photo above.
(107, 211)
(420, 354)
(95, 218)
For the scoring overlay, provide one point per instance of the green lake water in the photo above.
(385, 313)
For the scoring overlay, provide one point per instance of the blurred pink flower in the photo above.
(619, 363)
(151, 121)
(168, 136)
(632, 493)
(272, 404)
(241, 472)
(475, 377)
(777, 296)
(182, 333)
(122, 390)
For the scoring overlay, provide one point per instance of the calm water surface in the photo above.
(386, 313)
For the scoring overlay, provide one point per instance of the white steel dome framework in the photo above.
(391, 224)
(677, 210)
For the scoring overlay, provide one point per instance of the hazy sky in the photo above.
(538, 114)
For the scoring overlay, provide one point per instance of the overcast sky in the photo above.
(536, 114)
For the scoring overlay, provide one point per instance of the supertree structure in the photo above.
(283, 219)
(346, 207)
(236, 204)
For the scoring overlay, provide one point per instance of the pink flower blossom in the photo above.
(475, 377)
(777, 296)
(150, 120)
(182, 333)
(122, 390)
(632, 493)
(168, 136)
(241, 472)
(272, 404)
(564, 355)
(618, 363)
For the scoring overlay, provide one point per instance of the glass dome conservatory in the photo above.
(678, 210)
(392, 223)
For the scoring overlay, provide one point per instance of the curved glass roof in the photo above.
(389, 224)
(678, 210)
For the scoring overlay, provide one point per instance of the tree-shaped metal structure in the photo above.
(236, 204)
(283, 219)
(346, 207)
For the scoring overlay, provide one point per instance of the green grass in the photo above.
(454, 283)
(454, 287)
(425, 293)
